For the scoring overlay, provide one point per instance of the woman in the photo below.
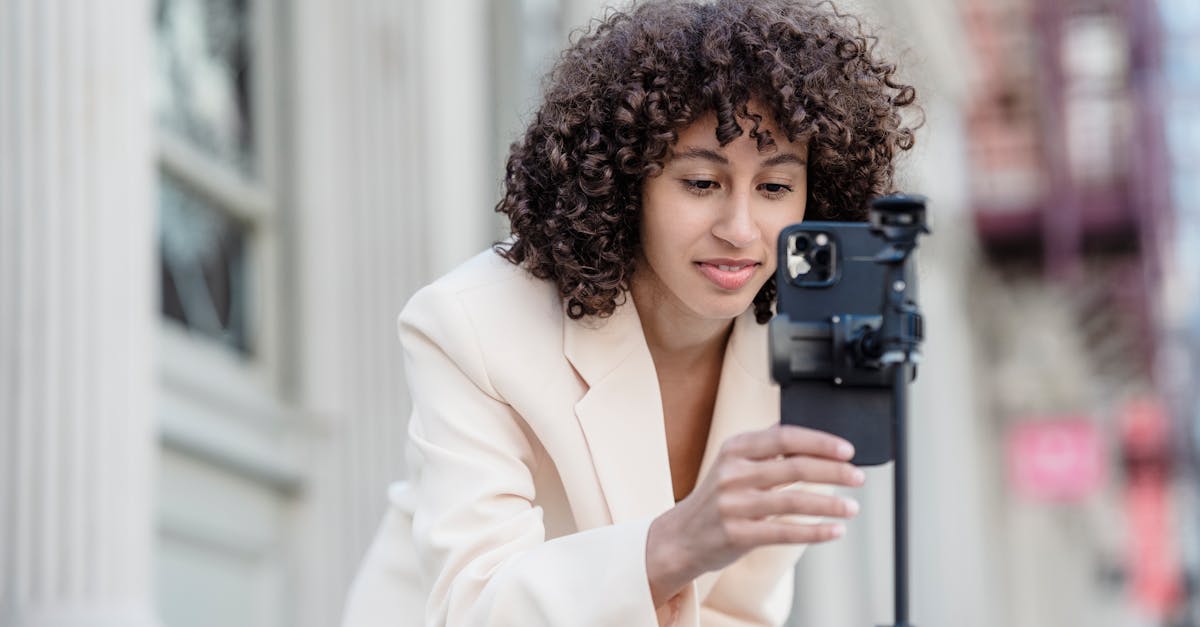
(593, 439)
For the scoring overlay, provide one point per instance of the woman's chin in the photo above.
(726, 305)
(726, 308)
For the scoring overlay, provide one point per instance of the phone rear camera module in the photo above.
(810, 259)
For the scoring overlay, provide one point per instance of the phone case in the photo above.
(831, 285)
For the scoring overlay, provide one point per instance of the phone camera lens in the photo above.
(822, 257)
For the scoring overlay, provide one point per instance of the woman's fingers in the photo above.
(736, 495)
(755, 504)
(756, 533)
(787, 470)
(788, 440)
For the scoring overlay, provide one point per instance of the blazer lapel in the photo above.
(747, 399)
(621, 413)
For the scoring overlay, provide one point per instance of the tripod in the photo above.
(900, 220)
(843, 354)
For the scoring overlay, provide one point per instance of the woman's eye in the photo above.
(775, 188)
(700, 185)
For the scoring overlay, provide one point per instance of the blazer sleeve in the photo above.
(479, 537)
(756, 591)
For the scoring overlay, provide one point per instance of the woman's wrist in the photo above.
(667, 566)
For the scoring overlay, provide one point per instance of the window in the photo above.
(216, 198)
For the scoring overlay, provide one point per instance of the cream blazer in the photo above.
(537, 460)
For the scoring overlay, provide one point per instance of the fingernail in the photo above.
(851, 505)
(838, 530)
(859, 476)
(845, 450)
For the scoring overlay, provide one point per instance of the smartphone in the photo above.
(831, 297)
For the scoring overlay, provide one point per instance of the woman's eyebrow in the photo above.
(702, 153)
(782, 158)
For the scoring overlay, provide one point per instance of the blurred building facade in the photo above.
(1076, 164)
(204, 436)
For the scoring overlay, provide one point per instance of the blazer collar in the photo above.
(621, 414)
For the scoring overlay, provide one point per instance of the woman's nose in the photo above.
(736, 223)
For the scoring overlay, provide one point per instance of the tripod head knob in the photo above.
(899, 219)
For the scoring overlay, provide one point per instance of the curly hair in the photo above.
(618, 96)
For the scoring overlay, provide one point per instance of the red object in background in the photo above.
(1059, 460)
(1145, 432)
(1154, 569)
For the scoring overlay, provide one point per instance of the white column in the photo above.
(77, 314)
(455, 90)
(376, 208)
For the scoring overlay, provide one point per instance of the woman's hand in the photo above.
(732, 510)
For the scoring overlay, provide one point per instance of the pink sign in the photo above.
(1059, 460)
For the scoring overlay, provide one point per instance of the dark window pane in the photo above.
(204, 263)
(203, 90)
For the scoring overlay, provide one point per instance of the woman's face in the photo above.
(711, 219)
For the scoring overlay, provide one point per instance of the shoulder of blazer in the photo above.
(485, 281)
(494, 313)
(485, 268)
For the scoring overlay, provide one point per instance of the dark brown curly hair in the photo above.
(620, 93)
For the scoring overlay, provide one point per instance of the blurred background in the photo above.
(211, 212)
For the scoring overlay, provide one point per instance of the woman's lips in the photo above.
(728, 276)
